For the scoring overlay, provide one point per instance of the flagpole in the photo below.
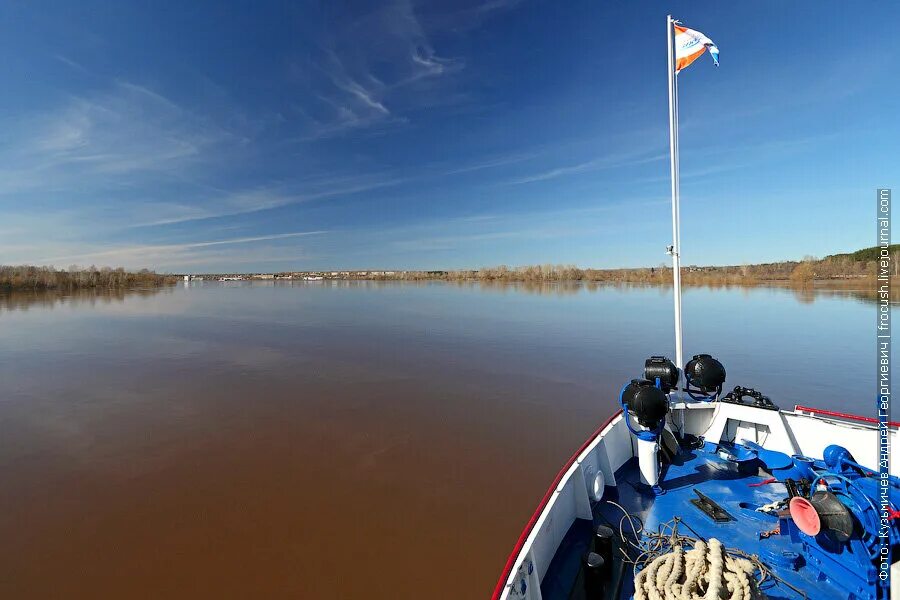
(676, 213)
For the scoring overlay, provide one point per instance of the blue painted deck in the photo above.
(712, 476)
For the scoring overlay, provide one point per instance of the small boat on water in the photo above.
(690, 493)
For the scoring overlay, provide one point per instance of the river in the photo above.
(346, 440)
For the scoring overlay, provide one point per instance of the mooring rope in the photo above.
(669, 565)
(704, 572)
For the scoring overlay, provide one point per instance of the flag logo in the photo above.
(689, 45)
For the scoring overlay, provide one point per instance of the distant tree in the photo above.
(803, 273)
(32, 277)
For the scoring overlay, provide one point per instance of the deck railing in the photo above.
(839, 415)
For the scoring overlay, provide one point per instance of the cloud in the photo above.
(155, 253)
(130, 129)
(465, 15)
(105, 140)
(234, 204)
(496, 5)
(367, 72)
(430, 244)
(71, 63)
(254, 201)
(345, 107)
(355, 89)
(596, 164)
(371, 72)
(493, 162)
(734, 157)
(464, 233)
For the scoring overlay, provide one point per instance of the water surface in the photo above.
(355, 440)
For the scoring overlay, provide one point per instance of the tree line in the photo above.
(842, 267)
(49, 278)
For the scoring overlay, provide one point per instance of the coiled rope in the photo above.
(704, 572)
(669, 565)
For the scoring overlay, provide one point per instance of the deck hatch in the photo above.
(711, 508)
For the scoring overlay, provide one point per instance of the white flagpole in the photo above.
(676, 213)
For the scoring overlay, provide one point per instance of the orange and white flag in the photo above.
(689, 45)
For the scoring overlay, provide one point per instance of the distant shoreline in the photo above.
(793, 274)
(855, 283)
(865, 285)
(26, 277)
(862, 266)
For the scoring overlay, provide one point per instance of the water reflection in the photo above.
(21, 300)
(805, 294)
(244, 439)
(868, 295)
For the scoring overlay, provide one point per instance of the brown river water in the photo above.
(355, 440)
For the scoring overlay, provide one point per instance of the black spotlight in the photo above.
(660, 367)
(646, 402)
(705, 373)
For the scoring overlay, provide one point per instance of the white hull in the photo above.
(790, 432)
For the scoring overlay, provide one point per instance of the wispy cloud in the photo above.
(369, 71)
(496, 5)
(96, 140)
(466, 233)
(461, 17)
(254, 201)
(152, 253)
(493, 162)
(239, 203)
(430, 244)
(71, 63)
(365, 96)
(130, 129)
(733, 157)
(596, 164)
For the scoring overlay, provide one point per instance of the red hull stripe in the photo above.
(498, 589)
(840, 415)
(501, 582)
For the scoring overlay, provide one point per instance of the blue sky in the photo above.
(261, 136)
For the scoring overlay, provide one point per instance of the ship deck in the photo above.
(704, 471)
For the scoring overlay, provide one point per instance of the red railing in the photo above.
(840, 415)
(501, 582)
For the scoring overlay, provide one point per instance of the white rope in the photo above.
(705, 572)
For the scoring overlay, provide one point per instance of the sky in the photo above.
(270, 136)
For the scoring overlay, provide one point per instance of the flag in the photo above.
(689, 45)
